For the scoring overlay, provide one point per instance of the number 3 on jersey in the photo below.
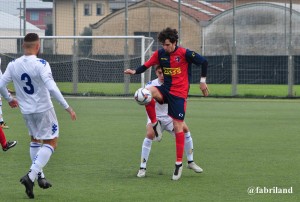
(29, 89)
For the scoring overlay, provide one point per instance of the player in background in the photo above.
(176, 64)
(2, 123)
(6, 145)
(166, 124)
(33, 82)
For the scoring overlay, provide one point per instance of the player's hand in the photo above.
(204, 89)
(72, 113)
(129, 71)
(11, 91)
(14, 103)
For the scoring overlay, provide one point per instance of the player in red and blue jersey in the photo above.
(176, 65)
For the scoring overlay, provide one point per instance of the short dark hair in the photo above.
(157, 67)
(31, 37)
(168, 33)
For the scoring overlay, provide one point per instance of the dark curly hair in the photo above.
(168, 33)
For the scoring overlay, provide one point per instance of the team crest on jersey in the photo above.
(177, 58)
(42, 61)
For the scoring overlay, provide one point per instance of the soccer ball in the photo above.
(142, 96)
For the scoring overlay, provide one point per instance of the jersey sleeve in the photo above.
(55, 92)
(45, 72)
(153, 60)
(198, 60)
(194, 57)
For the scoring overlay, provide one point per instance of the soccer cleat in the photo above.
(43, 183)
(157, 131)
(142, 172)
(4, 126)
(194, 167)
(26, 181)
(9, 145)
(177, 172)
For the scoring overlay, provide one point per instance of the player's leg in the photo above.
(41, 126)
(150, 108)
(48, 126)
(176, 109)
(2, 123)
(146, 148)
(189, 150)
(35, 146)
(179, 139)
(6, 145)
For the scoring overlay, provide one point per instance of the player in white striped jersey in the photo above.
(166, 124)
(33, 82)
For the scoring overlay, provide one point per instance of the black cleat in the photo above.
(9, 145)
(157, 130)
(26, 181)
(43, 183)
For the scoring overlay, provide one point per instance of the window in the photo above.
(87, 9)
(99, 9)
(34, 15)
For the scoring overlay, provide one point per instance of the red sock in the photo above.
(2, 138)
(150, 108)
(179, 146)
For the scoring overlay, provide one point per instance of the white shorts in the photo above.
(42, 126)
(166, 124)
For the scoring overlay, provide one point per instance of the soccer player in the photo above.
(33, 82)
(6, 145)
(2, 123)
(176, 64)
(166, 124)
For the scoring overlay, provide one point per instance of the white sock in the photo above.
(146, 148)
(188, 146)
(40, 161)
(33, 150)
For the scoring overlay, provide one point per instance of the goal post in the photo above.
(89, 65)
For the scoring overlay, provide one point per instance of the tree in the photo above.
(85, 45)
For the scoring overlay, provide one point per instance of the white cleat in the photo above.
(194, 167)
(157, 130)
(177, 172)
(142, 172)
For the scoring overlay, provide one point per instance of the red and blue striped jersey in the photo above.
(176, 68)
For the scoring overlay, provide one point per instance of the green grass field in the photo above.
(216, 90)
(240, 143)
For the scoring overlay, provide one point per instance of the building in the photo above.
(72, 18)
(150, 17)
(260, 29)
(13, 26)
(39, 14)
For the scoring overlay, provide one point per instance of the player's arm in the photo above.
(55, 92)
(203, 85)
(198, 60)
(5, 79)
(50, 84)
(152, 61)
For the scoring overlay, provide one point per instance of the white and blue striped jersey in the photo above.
(32, 78)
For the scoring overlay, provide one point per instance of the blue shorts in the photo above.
(176, 105)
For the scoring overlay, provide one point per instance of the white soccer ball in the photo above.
(142, 96)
